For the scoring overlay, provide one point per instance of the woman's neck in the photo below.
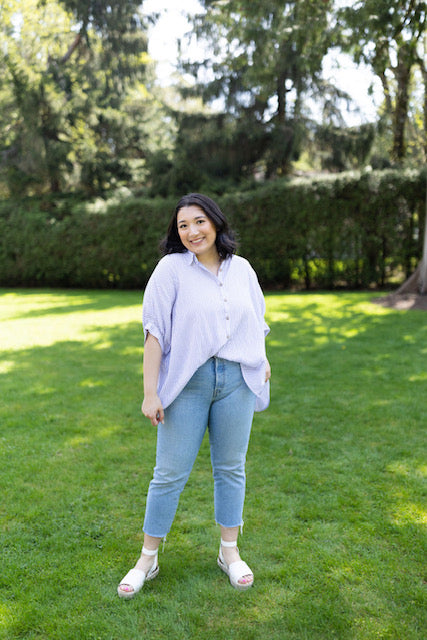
(211, 261)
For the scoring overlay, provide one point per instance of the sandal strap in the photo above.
(134, 578)
(224, 543)
(149, 552)
(238, 570)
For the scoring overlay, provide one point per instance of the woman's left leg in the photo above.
(230, 423)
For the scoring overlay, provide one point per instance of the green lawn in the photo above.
(335, 512)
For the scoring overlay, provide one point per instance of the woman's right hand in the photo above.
(153, 410)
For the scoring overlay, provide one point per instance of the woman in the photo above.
(204, 367)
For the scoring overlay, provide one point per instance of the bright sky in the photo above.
(172, 25)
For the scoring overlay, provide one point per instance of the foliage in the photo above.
(342, 148)
(80, 109)
(389, 36)
(265, 62)
(74, 105)
(354, 230)
(213, 152)
(335, 506)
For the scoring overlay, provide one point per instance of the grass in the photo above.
(335, 509)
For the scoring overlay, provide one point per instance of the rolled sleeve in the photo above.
(158, 302)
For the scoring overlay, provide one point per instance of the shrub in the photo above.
(352, 230)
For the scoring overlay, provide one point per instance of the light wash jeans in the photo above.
(216, 398)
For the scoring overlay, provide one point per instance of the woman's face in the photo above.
(197, 232)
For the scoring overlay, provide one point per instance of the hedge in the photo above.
(345, 230)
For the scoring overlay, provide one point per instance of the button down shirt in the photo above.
(196, 315)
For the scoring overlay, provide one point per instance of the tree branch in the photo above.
(71, 49)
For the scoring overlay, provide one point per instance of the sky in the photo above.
(338, 68)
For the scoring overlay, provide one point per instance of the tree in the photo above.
(65, 98)
(389, 36)
(343, 148)
(266, 58)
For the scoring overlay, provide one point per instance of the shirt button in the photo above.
(227, 317)
(220, 284)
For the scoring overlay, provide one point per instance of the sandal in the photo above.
(135, 578)
(235, 570)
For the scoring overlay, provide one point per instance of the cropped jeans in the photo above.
(218, 399)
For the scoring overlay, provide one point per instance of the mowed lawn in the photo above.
(335, 516)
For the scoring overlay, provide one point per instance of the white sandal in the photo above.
(235, 570)
(135, 578)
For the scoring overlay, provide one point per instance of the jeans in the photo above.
(216, 398)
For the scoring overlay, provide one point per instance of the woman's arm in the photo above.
(151, 405)
(267, 370)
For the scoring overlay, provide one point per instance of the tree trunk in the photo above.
(386, 89)
(423, 263)
(417, 282)
(281, 98)
(402, 75)
(424, 72)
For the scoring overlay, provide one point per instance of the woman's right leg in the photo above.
(178, 443)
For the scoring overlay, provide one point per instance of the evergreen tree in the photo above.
(389, 35)
(68, 94)
(265, 61)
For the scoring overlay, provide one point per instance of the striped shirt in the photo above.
(196, 315)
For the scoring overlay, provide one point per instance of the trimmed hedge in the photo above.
(351, 230)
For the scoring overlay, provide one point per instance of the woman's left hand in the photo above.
(267, 370)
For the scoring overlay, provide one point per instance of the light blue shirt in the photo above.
(196, 315)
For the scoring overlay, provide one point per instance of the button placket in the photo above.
(226, 310)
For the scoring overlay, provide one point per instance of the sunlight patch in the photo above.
(419, 377)
(103, 345)
(79, 441)
(409, 513)
(6, 366)
(6, 615)
(92, 383)
(403, 469)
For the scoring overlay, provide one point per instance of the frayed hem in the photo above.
(226, 526)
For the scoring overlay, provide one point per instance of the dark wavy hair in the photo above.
(226, 242)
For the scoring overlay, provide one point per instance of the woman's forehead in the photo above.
(190, 212)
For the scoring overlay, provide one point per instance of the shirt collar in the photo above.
(190, 257)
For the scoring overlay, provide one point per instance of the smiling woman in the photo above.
(205, 369)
